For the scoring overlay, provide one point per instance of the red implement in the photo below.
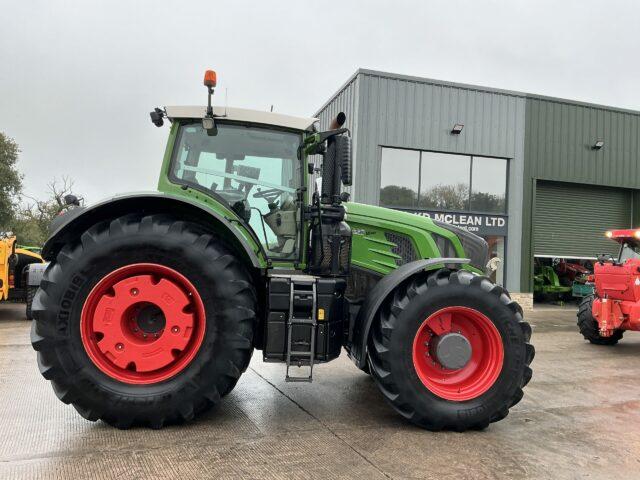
(616, 305)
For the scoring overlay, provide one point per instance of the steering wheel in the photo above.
(270, 194)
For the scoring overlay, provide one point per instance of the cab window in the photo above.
(628, 251)
(255, 171)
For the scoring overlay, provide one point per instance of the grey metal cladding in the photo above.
(560, 136)
(418, 113)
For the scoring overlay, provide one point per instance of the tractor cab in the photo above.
(629, 241)
(252, 165)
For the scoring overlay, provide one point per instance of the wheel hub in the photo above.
(142, 323)
(458, 353)
(150, 319)
(452, 350)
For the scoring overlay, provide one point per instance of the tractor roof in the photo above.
(622, 235)
(244, 115)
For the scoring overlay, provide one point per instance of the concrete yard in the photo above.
(580, 418)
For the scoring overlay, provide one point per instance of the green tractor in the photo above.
(153, 303)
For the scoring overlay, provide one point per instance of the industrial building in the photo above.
(537, 177)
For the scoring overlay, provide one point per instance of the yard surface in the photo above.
(580, 418)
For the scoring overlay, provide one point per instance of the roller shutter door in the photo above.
(570, 219)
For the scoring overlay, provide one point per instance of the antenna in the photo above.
(271, 108)
(226, 100)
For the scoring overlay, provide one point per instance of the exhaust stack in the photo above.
(336, 165)
(338, 121)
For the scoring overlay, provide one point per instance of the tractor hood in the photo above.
(464, 244)
(389, 214)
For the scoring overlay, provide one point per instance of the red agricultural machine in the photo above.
(615, 305)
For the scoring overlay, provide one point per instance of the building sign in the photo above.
(478, 223)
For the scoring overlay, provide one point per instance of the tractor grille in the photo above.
(403, 248)
(475, 247)
(445, 246)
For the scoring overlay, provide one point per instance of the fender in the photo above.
(379, 294)
(66, 227)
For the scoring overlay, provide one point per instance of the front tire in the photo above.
(588, 325)
(144, 321)
(453, 391)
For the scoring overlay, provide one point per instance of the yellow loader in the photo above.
(14, 263)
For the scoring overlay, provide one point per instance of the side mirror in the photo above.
(157, 117)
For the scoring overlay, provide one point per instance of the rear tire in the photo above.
(31, 292)
(221, 306)
(501, 336)
(588, 325)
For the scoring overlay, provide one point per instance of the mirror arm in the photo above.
(314, 144)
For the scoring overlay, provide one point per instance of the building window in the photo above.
(400, 177)
(488, 185)
(442, 181)
(467, 191)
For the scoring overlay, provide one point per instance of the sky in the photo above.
(78, 78)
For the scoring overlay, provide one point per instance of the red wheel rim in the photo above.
(483, 367)
(142, 323)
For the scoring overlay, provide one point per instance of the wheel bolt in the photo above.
(175, 329)
(119, 346)
(155, 335)
(144, 335)
(134, 291)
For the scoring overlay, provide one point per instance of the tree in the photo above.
(446, 197)
(487, 202)
(394, 195)
(32, 223)
(10, 181)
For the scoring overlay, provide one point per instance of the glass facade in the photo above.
(443, 181)
(400, 177)
(488, 185)
(472, 188)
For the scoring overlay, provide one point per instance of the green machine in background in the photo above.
(546, 283)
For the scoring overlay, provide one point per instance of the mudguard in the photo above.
(379, 294)
(67, 226)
